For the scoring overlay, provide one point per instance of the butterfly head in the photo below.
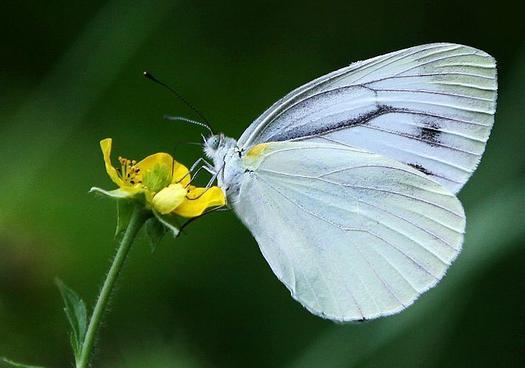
(212, 143)
(216, 143)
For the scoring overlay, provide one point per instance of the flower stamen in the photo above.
(128, 171)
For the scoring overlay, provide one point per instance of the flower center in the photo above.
(129, 172)
(157, 177)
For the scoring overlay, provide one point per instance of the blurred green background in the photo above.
(72, 74)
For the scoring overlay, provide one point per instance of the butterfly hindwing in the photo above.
(352, 234)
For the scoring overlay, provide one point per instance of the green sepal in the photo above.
(76, 313)
(117, 193)
(14, 364)
(170, 222)
(125, 204)
(155, 231)
(124, 211)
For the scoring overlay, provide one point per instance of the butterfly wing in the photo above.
(352, 234)
(431, 107)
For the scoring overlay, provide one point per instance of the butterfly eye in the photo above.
(213, 142)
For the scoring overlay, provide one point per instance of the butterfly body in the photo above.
(227, 163)
(348, 183)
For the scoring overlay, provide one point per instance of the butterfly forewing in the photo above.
(430, 107)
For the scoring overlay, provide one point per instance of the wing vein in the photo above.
(329, 222)
(408, 90)
(368, 217)
(419, 65)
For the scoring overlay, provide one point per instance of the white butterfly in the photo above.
(348, 183)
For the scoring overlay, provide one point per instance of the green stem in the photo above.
(138, 218)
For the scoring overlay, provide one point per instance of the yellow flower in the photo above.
(164, 183)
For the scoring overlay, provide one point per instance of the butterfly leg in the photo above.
(193, 169)
(188, 222)
(201, 160)
(210, 182)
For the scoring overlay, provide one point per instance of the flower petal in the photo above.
(169, 198)
(105, 146)
(199, 199)
(151, 160)
(181, 174)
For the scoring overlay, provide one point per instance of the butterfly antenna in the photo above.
(206, 123)
(186, 120)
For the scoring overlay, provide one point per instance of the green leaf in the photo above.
(155, 231)
(76, 313)
(170, 222)
(124, 211)
(11, 363)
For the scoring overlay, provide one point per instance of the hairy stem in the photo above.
(138, 218)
